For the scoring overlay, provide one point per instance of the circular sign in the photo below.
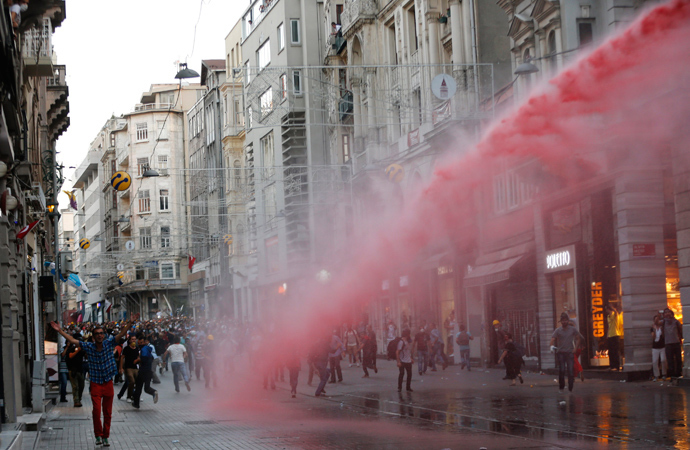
(443, 86)
(228, 239)
(84, 244)
(395, 173)
(129, 245)
(120, 181)
(120, 267)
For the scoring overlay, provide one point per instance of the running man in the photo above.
(102, 369)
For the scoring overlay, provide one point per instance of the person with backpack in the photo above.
(513, 360)
(404, 357)
(463, 339)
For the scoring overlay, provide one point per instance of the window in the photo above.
(512, 190)
(270, 206)
(142, 132)
(237, 183)
(338, 13)
(142, 165)
(585, 32)
(247, 72)
(266, 101)
(263, 55)
(112, 139)
(250, 119)
(297, 82)
(283, 87)
(162, 132)
(294, 31)
(164, 200)
(346, 148)
(281, 37)
(552, 52)
(163, 164)
(153, 273)
(167, 99)
(145, 238)
(144, 201)
(417, 99)
(165, 237)
(268, 154)
(167, 271)
(499, 193)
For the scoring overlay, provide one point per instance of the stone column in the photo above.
(639, 207)
(434, 41)
(547, 322)
(357, 106)
(681, 182)
(7, 296)
(372, 113)
(456, 32)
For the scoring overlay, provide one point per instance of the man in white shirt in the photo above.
(178, 354)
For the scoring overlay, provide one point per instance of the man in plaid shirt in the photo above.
(102, 369)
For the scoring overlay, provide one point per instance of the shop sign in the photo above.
(445, 270)
(643, 250)
(560, 259)
(597, 310)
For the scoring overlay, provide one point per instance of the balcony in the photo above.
(154, 107)
(357, 12)
(57, 94)
(37, 50)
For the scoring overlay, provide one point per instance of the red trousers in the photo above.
(102, 393)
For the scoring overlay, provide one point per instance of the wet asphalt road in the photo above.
(447, 410)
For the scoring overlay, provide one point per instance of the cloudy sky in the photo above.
(114, 51)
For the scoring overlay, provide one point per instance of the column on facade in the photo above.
(467, 29)
(544, 293)
(559, 46)
(7, 309)
(681, 181)
(357, 106)
(372, 112)
(456, 32)
(639, 209)
(434, 42)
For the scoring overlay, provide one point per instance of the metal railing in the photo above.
(152, 106)
(38, 42)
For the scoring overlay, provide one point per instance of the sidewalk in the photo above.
(448, 409)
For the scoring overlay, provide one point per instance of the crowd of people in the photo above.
(134, 354)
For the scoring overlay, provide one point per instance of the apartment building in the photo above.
(290, 177)
(210, 293)
(415, 81)
(34, 113)
(151, 248)
(574, 249)
(241, 263)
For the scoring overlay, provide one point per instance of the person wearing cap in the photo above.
(500, 342)
(564, 341)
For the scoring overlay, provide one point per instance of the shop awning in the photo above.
(490, 273)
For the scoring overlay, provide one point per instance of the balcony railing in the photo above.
(355, 10)
(153, 106)
(345, 106)
(37, 50)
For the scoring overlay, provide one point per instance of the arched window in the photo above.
(526, 57)
(551, 41)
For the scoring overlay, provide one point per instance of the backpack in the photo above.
(519, 350)
(463, 338)
(392, 348)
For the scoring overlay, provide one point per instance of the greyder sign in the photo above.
(560, 259)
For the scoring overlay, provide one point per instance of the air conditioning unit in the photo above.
(163, 172)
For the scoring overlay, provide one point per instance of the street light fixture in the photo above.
(185, 72)
(123, 219)
(526, 68)
(149, 172)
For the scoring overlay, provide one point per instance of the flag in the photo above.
(108, 305)
(192, 260)
(24, 231)
(72, 199)
(76, 282)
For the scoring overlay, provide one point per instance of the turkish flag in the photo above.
(24, 231)
(192, 260)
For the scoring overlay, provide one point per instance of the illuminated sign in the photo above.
(560, 259)
(597, 311)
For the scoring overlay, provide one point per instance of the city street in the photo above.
(448, 409)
